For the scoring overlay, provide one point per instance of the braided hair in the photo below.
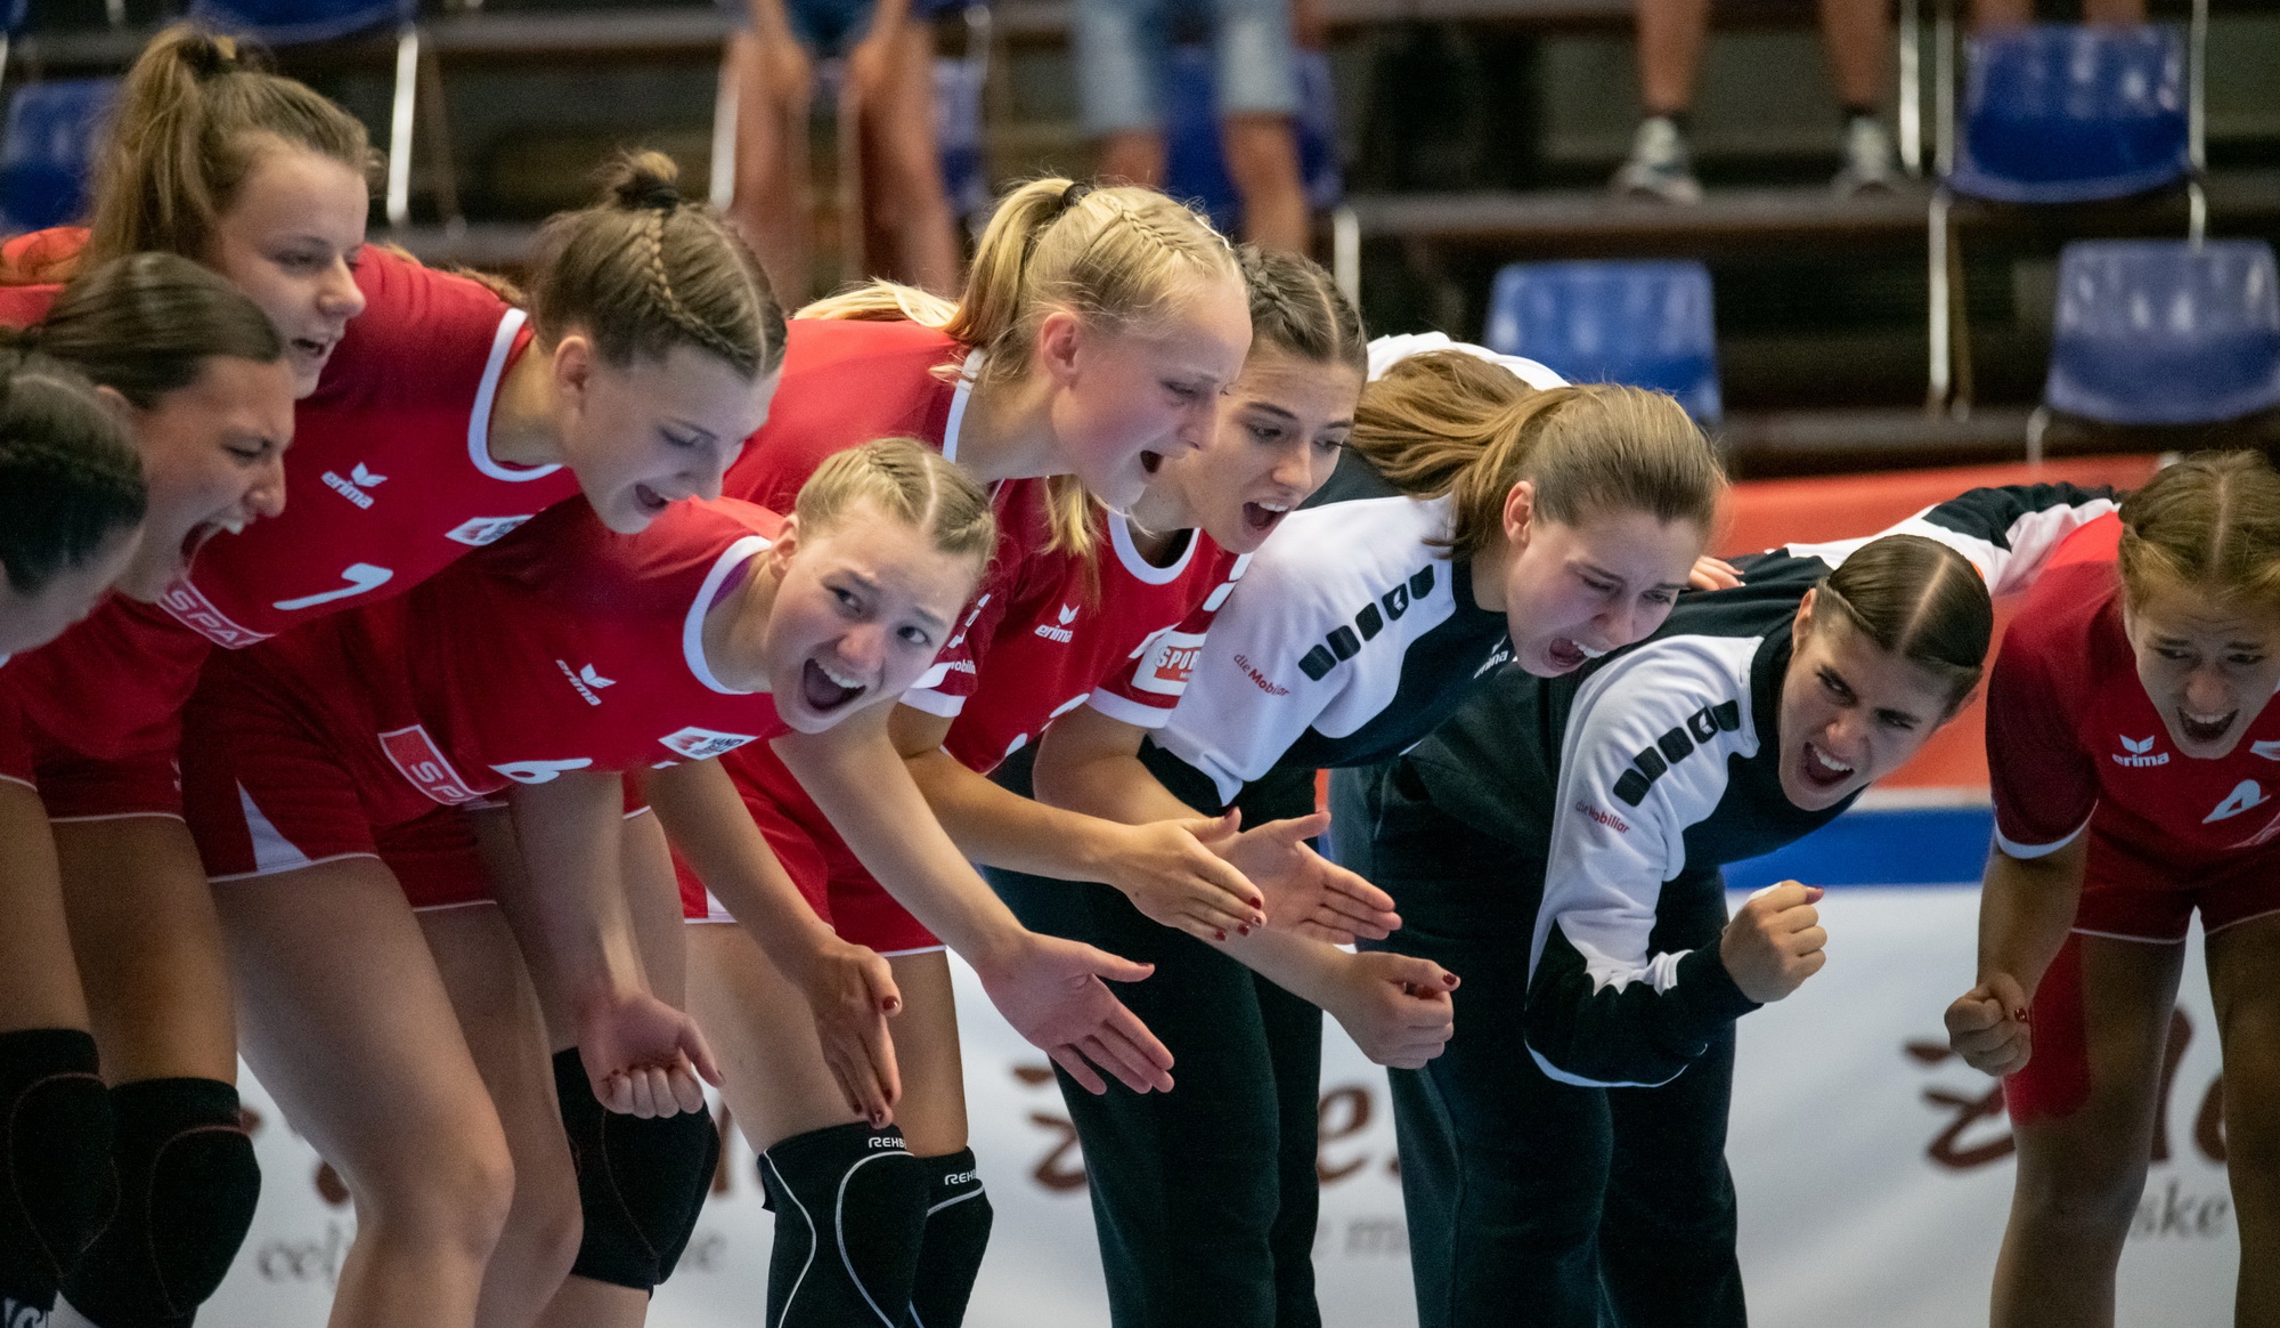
(643, 271)
(1296, 308)
(70, 478)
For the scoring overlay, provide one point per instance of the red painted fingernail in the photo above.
(1242, 931)
(1448, 979)
(1219, 935)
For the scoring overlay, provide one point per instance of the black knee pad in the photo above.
(850, 1205)
(56, 1183)
(958, 1219)
(641, 1183)
(188, 1184)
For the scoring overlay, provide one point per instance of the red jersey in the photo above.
(567, 648)
(390, 477)
(1074, 625)
(2073, 739)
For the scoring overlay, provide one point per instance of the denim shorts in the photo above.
(1122, 48)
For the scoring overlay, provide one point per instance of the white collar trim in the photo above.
(479, 420)
(693, 627)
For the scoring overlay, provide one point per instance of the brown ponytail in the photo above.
(195, 113)
(1447, 422)
(642, 272)
(70, 478)
(1918, 599)
(1120, 257)
(2210, 524)
(144, 325)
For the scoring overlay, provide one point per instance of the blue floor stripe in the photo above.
(1882, 846)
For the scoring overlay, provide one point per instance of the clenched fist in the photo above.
(1987, 1026)
(1774, 943)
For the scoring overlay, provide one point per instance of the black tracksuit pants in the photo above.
(1205, 1198)
(1532, 1201)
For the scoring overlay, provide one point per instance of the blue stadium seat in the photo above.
(2059, 113)
(1195, 166)
(47, 150)
(1647, 324)
(2156, 332)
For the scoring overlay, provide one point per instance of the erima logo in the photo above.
(587, 681)
(2246, 794)
(353, 488)
(1060, 633)
(1675, 746)
(1346, 642)
(2135, 753)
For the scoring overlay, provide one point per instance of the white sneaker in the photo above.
(1871, 163)
(1659, 165)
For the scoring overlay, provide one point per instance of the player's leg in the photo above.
(349, 1025)
(498, 1013)
(2244, 979)
(907, 219)
(2083, 1113)
(158, 988)
(1293, 1030)
(932, 1114)
(1667, 1237)
(55, 1134)
(823, 1168)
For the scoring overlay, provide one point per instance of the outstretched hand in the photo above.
(643, 1057)
(1055, 994)
(1397, 1008)
(1171, 874)
(852, 993)
(1307, 894)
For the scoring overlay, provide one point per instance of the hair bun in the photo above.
(211, 54)
(639, 180)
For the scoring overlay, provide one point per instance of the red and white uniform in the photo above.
(567, 648)
(2075, 746)
(390, 476)
(845, 383)
(1067, 627)
(388, 481)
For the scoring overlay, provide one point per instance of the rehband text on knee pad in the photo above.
(641, 1183)
(958, 1220)
(55, 1162)
(850, 1206)
(188, 1184)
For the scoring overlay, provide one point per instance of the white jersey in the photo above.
(1351, 636)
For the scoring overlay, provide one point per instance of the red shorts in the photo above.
(2135, 896)
(829, 877)
(2142, 894)
(15, 745)
(78, 787)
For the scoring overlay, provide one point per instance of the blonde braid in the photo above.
(653, 231)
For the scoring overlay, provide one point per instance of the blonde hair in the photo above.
(190, 123)
(1447, 422)
(642, 271)
(1120, 257)
(907, 481)
(2210, 523)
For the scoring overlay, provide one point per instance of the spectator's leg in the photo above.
(908, 227)
(1671, 37)
(1257, 85)
(2122, 13)
(1262, 159)
(772, 205)
(1859, 43)
(1988, 15)
(1119, 47)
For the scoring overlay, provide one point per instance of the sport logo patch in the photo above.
(2138, 753)
(587, 681)
(1169, 664)
(479, 531)
(703, 744)
(418, 759)
(196, 612)
(1059, 631)
(1346, 642)
(1650, 763)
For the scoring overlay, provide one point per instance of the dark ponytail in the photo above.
(70, 478)
(1918, 599)
(144, 325)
